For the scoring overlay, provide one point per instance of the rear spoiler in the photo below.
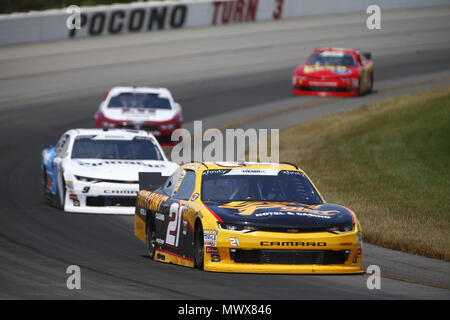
(368, 55)
(151, 180)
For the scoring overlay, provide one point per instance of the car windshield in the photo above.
(140, 148)
(331, 58)
(139, 100)
(257, 185)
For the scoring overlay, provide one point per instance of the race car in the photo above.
(334, 72)
(97, 170)
(142, 108)
(246, 217)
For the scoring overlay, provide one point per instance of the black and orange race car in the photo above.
(246, 217)
(334, 72)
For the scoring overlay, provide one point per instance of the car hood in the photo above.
(126, 170)
(138, 115)
(325, 71)
(282, 214)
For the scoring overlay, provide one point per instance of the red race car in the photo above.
(334, 72)
(150, 109)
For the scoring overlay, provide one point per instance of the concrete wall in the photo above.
(155, 16)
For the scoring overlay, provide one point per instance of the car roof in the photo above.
(110, 133)
(345, 50)
(163, 92)
(202, 166)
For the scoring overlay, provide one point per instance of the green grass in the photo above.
(390, 163)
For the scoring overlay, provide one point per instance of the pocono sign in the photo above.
(147, 17)
(126, 21)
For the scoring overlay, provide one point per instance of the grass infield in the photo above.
(390, 163)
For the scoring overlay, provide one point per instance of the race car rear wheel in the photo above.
(370, 89)
(150, 240)
(45, 196)
(199, 246)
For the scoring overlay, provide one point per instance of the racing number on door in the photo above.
(173, 228)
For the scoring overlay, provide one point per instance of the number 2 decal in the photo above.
(173, 228)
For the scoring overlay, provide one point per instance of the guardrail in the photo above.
(154, 16)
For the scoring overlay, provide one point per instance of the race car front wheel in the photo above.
(199, 246)
(360, 92)
(150, 239)
(62, 197)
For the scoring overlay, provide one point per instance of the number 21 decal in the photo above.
(173, 228)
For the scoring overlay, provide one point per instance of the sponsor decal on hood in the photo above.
(258, 209)
(126, 170)
(119, 162)
(341, 70)
(282, 214)
(139, 114)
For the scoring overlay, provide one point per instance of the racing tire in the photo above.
(150, 239)
(199, 246)
(63, 202)
(370, 89)
(360, 92)
(45, 196)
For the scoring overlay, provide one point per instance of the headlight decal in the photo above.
(236, 227)
(342, 229)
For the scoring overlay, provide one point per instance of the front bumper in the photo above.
(101, 198)
(158, 129)
(296, 253)
(325, 87)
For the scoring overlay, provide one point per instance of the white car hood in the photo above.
(139, 115)
(124, 170)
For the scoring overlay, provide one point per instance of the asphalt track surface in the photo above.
(219, 75)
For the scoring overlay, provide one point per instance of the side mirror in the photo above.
(151, 180)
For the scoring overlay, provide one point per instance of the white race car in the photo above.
(97, 170)
(142, 108)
